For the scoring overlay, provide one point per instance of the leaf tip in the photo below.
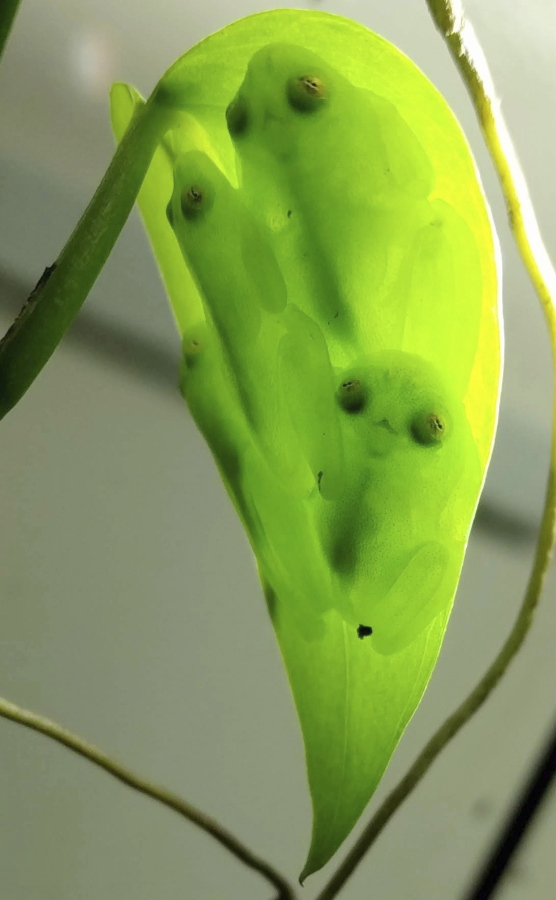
(308, 869)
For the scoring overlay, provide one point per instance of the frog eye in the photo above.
(352, 395)
(429, 428)
(192, 350)
(192, 347)
(237, 117)
(364, 631)
(307, 93)
(196, 201)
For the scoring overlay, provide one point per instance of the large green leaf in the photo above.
(332, 269)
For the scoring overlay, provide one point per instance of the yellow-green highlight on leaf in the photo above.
(342, 357)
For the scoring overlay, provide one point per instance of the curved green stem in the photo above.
(63, 287)
(8, 10)
(472, 65)
(168, 798)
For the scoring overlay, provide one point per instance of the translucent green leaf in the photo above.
(342, 357)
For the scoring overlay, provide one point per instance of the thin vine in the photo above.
(168, 798)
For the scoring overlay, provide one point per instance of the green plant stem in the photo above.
(168, 798)
(468, 56)
(63, 287)
(8, 10)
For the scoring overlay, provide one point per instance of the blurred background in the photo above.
(131, 610)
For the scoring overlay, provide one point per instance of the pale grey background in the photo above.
(131, 609)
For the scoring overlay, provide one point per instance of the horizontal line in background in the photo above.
(504, 525)
(153, 363)
(142, 357)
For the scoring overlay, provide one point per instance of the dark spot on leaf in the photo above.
(364, 631)
(384, 423)
(237, 117)
(271, 598)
